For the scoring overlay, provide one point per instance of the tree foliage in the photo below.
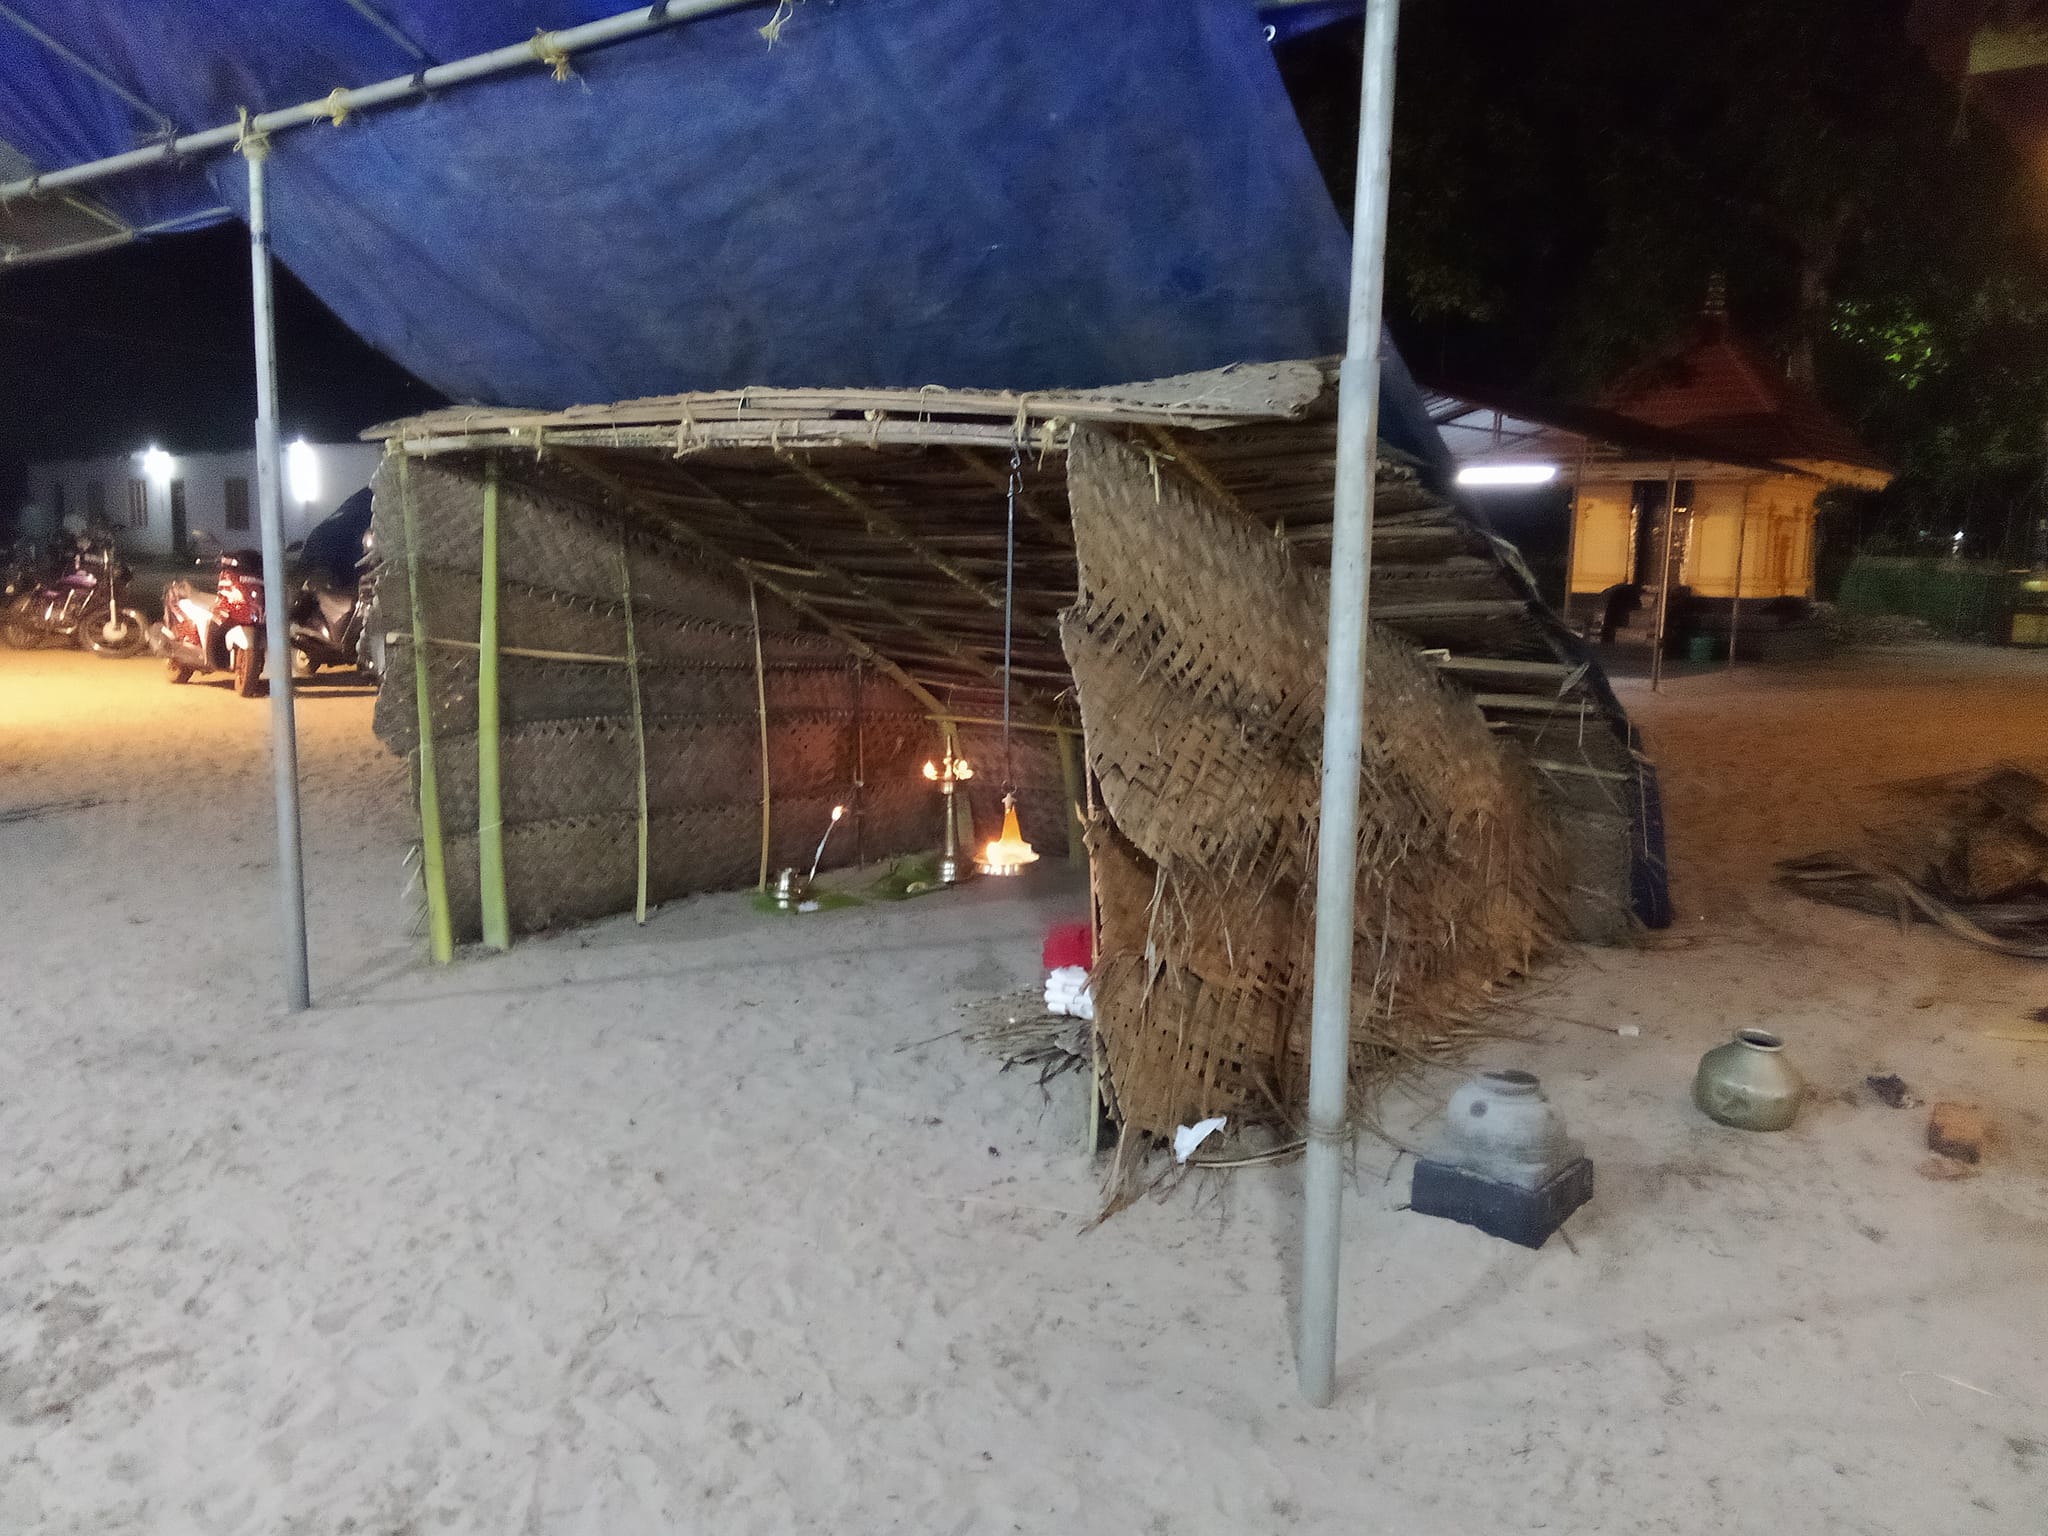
(1568, 177)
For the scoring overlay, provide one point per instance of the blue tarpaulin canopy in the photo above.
(845, 192)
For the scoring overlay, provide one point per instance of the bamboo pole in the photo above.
(845, 579)
(879, 521)
(1061, 528)
(639, 728)
(761, 693)
(433, 865)
(957, 803)
(1070, 780)
(490, 800)
(703, 543)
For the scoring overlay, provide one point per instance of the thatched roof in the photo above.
(879, 515)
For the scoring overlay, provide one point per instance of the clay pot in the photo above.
(1749, 1084)
(1501, 1127)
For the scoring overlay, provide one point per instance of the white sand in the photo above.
(657, 1230)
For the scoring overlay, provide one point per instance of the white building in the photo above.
(156, 501)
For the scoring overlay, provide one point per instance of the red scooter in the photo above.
(217, 631)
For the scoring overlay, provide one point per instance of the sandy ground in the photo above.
(665, 1229)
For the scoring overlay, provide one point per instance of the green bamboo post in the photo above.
(761, 696)
(639, 726)
(490, 799)
(1070, 778)
(963, 808)
(433, 856)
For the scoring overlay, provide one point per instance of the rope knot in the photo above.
(548, 49)
(337, 105)
(784, 10)
(249, 139)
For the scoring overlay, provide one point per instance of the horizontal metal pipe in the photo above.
(15, 256)
(534, 50)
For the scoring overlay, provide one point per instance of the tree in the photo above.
(1567, 177)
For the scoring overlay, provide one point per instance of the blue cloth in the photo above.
(1031, 194)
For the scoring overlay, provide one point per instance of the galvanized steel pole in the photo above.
(1664, 579)
(1358, 409)
(284, 745)
(551, 48)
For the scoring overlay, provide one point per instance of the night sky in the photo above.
(152, 343)
(1556, 218)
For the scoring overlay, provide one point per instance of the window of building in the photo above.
(138, 503)
(57, 502)
(237, 492)
(95, 502)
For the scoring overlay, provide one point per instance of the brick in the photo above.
(1958, 1131)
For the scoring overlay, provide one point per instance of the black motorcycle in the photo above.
(332, 614)
(86, 605)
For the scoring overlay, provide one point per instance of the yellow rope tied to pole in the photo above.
(337, 105)
(551, 53)
(249, 140)
(784, 10)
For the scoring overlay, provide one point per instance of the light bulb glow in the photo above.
(1507, 474)
(302, 472)
(158, 465)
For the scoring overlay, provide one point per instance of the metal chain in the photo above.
(1009, 601)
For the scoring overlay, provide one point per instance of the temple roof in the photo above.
(1719, 387)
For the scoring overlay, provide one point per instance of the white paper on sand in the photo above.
(1189, 1137)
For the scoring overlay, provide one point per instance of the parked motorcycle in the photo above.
(85, 605)
(332, 610)
(216, 631)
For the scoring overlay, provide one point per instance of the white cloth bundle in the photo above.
(1066, 991)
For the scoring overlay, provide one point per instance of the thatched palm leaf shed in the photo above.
(869, 526)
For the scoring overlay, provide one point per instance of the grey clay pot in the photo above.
(1749, 1084)
(1500, 1126)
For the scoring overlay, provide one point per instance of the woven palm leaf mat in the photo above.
(570, 758)
(1197, 652)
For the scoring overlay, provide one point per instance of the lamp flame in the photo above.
(1009, 853)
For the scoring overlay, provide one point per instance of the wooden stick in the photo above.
(856, 585)
(1186, 461)
(707, 545)
(761, 692)
(639, 724)
(1060, 527)
(881, 522)
(433, 862)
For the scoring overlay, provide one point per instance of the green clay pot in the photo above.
(1749, 1084)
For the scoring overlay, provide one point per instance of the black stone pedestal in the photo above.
(1525, 1216)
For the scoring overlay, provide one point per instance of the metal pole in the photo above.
(284, 746)
(549, 48)
(1741, 543)
(1664, 580)
(1571, 535)
(1358, 408)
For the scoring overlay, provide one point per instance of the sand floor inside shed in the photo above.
(676, 1228)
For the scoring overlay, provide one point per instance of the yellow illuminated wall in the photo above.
(1769, 520)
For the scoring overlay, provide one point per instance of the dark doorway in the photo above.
(1649, 526)
(178, 529)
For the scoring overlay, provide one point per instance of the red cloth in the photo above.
(1069, 944)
